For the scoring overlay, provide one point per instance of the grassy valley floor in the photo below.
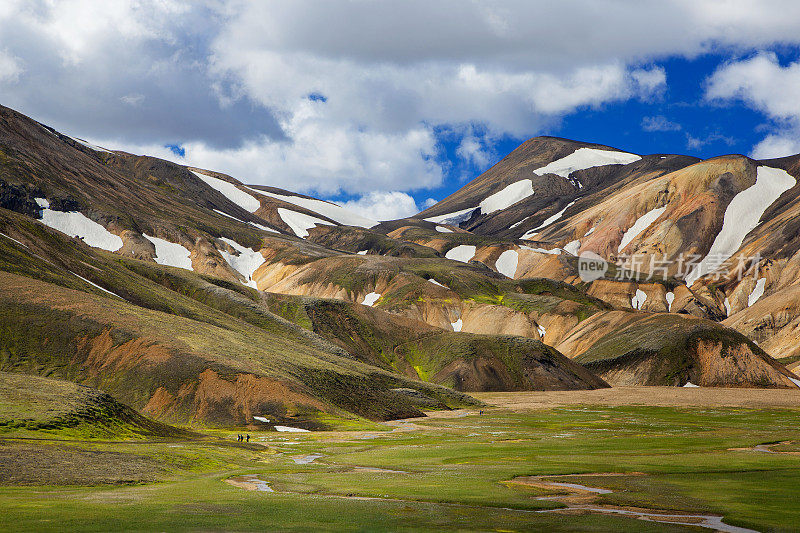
(606, 458)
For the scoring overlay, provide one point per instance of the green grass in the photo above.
(675, 459)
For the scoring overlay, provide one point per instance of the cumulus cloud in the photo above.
(762, 83)
(777, 146)
(383, 205)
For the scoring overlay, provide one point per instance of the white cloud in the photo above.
(229, 80)
(776, 146)
(132, 99)
(659, 123)
(10, 68)
(762, 83)
(383, 205)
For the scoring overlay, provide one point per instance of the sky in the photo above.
(386, 106)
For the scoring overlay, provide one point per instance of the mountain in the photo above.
(198, 300)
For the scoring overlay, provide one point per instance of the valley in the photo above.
(601, 460)
(453, 370)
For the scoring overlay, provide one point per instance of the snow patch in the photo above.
(442, 229)
(246, 201)
(170, 253)
(437, 283)
(554, 251)
(727, 304)
(590, 231)
(795, 381)
(691, 385)
(669, 297)
(456, 325)
(584, 158)
(76, 224)
(96, 285)
(506, 264)
(572, 247)
(515, 224)
(87, 144)
(327, 209)
(259, 226)
(44, 203)
(638, 299)
(462, 252)
(758, 291)
(541, 331)
(452, 218)
(548, 221)
(13, 239)
(641, 224)
(371, 298)
(300, 222)
(742, 216)
(507, 196)
(245, 263)
(289, 429)
(261, 419)
(362, 252)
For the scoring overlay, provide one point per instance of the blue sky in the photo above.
(385, 106)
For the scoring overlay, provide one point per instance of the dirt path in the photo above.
(654, 396)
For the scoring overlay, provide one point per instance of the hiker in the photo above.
(248, 438)
(239, 438)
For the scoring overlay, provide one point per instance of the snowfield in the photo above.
(506, 264)
(452, 218)
(300, 222)
(76, 224)
(326, 209)
(758, 291)
(437, 283)
(507, 197)
(572, 247)
(456, 325)
(584, 158)
(259, 226)
(170, 253)
(246, 201)
(462, 252)
(289, 429)
(371, 298)
(547, 222)
(245, 263)
(641, 224)
(742, 216)
(554, 251)
(638, 299)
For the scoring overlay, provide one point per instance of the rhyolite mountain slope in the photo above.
(199, 300)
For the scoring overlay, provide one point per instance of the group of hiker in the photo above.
(242, 437)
